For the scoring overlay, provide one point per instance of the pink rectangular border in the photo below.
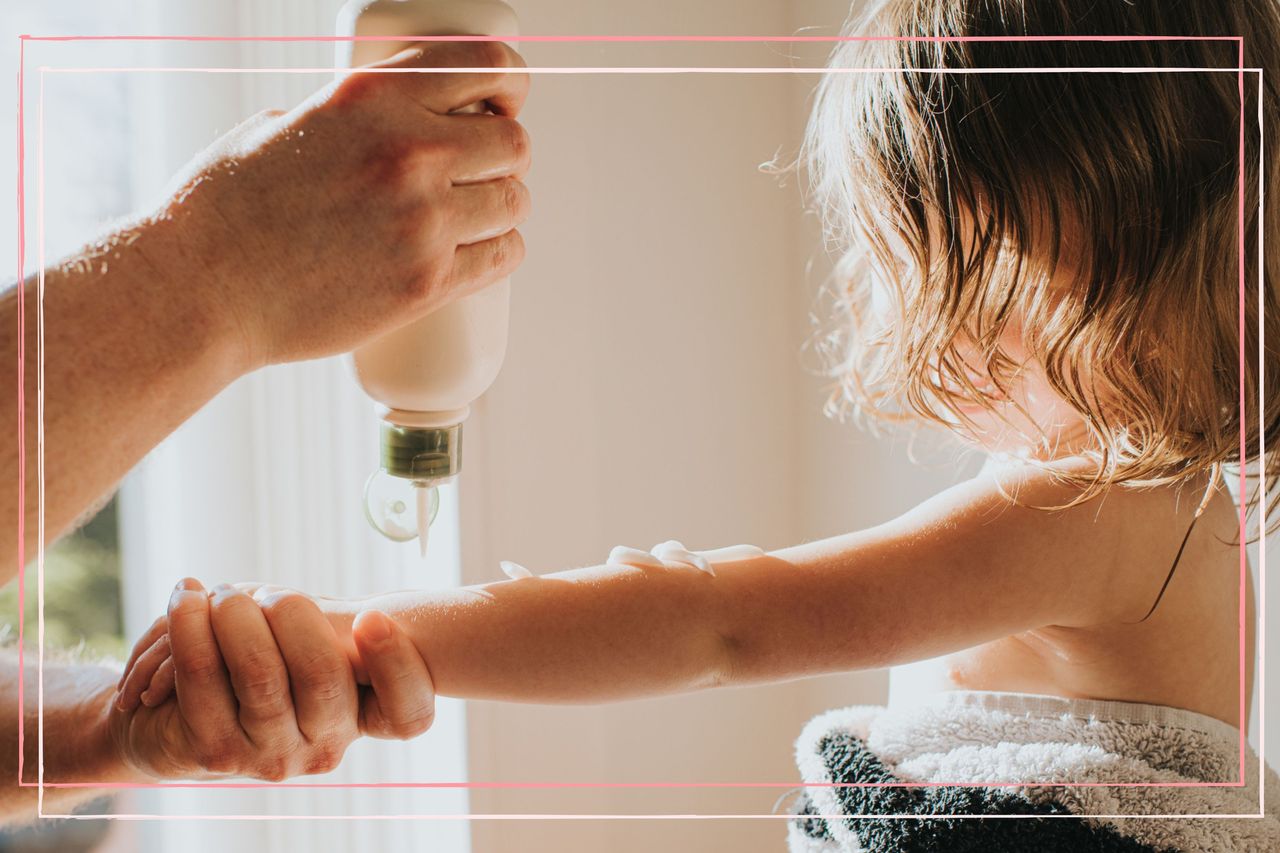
(21, 410)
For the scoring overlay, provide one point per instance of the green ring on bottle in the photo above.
(421, 453)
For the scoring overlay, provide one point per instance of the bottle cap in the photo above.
(421, 453)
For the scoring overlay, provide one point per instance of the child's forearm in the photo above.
(588, 635)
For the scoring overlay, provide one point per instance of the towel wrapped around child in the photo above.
(1155, 779)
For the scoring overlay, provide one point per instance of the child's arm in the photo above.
(963, 568)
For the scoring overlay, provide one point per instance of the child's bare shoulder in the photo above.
(1114, 549)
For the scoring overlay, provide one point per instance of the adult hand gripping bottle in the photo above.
(425, 375)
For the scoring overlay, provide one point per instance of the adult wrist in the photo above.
(184, 273)
(80, 743)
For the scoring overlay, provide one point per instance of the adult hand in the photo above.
(370, 204)
(267, 690)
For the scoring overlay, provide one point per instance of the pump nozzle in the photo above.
(401, 509)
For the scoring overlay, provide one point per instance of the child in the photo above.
(1045, 263)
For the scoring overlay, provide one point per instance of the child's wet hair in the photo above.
(1097, 210)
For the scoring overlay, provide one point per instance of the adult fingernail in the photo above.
(268, 601)
(373, 625)
(146, 698)
(188, 585)
(221, 590)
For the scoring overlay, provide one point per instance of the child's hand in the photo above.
(262, 690)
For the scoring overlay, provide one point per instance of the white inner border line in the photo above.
(39, 458)
(1261, 602)
(40, 469)
(842, 817)
(1124, 69)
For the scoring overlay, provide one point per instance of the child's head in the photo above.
(1048, 262)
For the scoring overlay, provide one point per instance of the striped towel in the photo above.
(1014, 754)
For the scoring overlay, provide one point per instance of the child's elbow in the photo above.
(722, 660)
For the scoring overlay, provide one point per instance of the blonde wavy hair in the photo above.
(1096, 211)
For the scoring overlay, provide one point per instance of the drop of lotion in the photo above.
(515, 571)
(423, 495)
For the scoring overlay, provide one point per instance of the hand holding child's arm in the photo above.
(266, 692)
(587, 635)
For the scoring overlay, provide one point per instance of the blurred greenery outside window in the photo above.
(83, 611)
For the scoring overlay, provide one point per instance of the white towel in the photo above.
(1040, 744)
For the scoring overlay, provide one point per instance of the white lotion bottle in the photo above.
(425, 375)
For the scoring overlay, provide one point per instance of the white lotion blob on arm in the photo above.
(673, 555)
(668, 555)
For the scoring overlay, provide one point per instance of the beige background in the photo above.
(654, 389)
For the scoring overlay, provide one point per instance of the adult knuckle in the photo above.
(199, 661)
(272, 770)
(499, 249)
(288, 605)
(322, 677)
(421, 281)
(426, 160)
(508, 251)
(325, 756)
(393, 164)
(515, 138)
(327, 733)
(201, 668)
(414, 720)
(260, 683)
(515, 196)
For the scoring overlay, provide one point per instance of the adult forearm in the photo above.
(589, 635)
(129, 352)
(77, 747)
